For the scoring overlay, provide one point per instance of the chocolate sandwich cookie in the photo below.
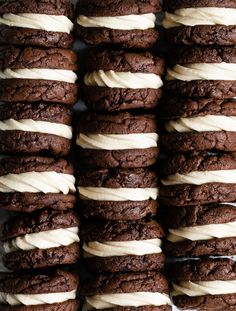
(118, 194)
(202, 72)
(122, 246)
(198, 178)
(37, 74)
(199, 124)
(208, 284)
(119, 140)
(203, 230)
(203, 22)
(127, 291)
(41, 239)
(120, 80)
(35, 128)
(36, 23)
(129, 24)
(33, 182)
(42, 291)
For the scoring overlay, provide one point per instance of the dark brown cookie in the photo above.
(128, 283)
(30, 228)
(22, 131)
(137, 198)
(207, 270)
(118, 210)
(194, 192)
(118, 178)
(53, 282)
(171, 5)
(59, 88)
(37, 35)
(116, 98)
(29, 202)
(178, 107)
(203, 34)
(196, 86)
(101, 259)
(199, 124)
(100, 147)
(30, 183)
(136, 37)
(196, 217)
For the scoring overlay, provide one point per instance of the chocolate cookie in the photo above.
(120, 80)
(30, 183)
(121, 191)
(198, 178)
(36, 23)
(120, 140)
(34, 74)
(202, 72)
(37, 128)
(197, 22)
(41, 239)
(128, 24)
(204, 230)
(204, 284)
(48, 291)
(122, 246)
(127, 291)
(199, 124)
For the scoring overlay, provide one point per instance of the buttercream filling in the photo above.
(117, 142)
(122, 248)
(203, 71)
(43, 240)
(117, 194)
(36, 299)
(200, 16)
(203, 232)
(125, 22)
(56, 23)
(136, 299)
(201, 177)
(202, 124)
(29, 125)
(130, 80)
(61, 75)
(46, 182)
(202, 288)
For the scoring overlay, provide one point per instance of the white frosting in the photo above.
(200, 288)
(35, 299)
(200, 16)
(117, 194)
(228, 203)
(202, 71)
(201, 177)
(117, 142)
(136, 299)
(204, 232)
(46, 182)
(29, 125)
(57, 23)
(126, 22)
(202, 124)
(122, 248)
(43, 240)
(112, 79)
(39, 74)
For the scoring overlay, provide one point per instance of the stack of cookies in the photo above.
(117, 145)
(37, 89)
(199, 176)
